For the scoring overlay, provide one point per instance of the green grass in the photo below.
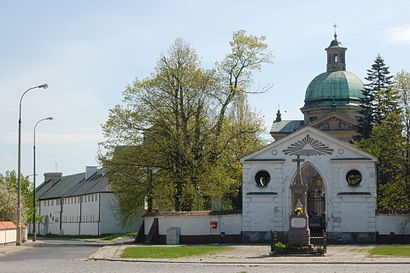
(391, 250)
(171, 252)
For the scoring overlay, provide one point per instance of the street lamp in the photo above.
(34, 238)
(18, 235)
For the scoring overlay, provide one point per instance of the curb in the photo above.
(242, 263)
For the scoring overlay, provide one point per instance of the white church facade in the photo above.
(341, 179)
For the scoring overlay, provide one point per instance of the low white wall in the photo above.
(388, 223)
(197, 225)
(8, 232)
(7, 236)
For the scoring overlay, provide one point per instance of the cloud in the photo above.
(398, 35)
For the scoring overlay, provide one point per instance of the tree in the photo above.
(177, 125)
(8, 197)
(374, 97)
(402, 80)
(381, 127)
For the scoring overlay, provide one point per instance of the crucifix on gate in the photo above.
(298, 188)
(298, 170)
(299, 233)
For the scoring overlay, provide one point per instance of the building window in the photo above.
(353, 178)
(262, 178)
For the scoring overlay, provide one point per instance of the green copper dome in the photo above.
(334, 88)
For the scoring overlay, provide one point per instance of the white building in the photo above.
(78, 204)
(341, 187)
(341, 179)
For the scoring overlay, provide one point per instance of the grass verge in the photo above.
(171, 252)
(391, 250)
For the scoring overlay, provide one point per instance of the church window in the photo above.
(335, 58)
(353, 178)
(262, 178)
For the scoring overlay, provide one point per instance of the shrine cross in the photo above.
(298, 160)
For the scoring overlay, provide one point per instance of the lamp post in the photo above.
(34, 238)
(18, 235)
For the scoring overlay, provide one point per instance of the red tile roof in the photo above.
(6, 225)
(191, 213)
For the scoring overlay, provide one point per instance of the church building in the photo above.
(341, 179)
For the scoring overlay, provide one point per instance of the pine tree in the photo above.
(374, 98)
(366, 119)
(381, 127)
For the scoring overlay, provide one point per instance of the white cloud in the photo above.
(398, 35)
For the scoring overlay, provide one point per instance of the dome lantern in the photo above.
(335, 56)
(334, 91)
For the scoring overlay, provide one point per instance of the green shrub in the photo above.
(278, 247)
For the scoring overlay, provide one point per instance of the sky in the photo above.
(89, 51)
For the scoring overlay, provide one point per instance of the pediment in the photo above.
(308, 142)
(335, 122)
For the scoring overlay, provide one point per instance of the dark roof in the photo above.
(286, 126)
(96, 183)
(73, 185)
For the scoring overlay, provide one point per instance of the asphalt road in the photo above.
(71, 257)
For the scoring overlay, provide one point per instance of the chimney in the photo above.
(89, 171)
(52, 177)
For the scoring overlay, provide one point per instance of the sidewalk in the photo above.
(246, 254)
(12, 247)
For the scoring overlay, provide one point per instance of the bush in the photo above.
(278, 247)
